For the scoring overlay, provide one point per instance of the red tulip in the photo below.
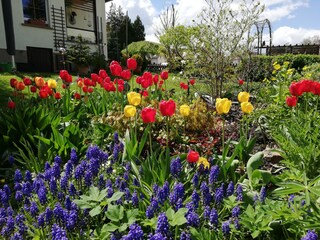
(164, 75)
(296, 89)
(95, 77)
(193, 156)
(155, 79)
(192, 81)
(85, 89)
(109, 86)
(114, 63)
(27, 81)
(126, 74)
(132, 63)
(102, 73)
(20, 86)
(77, 96)
(116, 70)
(145, 93)
(64, 75)
(43, 93)
(57, 95)
(87, 82)
(11, 104)
(90, 90)
(138, 80)
(13, 82)
(167, 108)
(241, 82)
(120, 87)
(148, 115)
(33, 89)
(184, 85)
(292, 101)
(316, 88)
(144, 83)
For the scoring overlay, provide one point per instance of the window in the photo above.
(34, 10)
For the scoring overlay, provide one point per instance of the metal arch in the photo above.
(260, 26)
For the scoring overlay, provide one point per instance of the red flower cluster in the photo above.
(184, 86)
(45, 91)
(11, 104)
(241, 82)
(304, 86)
(66, 77)
(192, 81)
(147, 80)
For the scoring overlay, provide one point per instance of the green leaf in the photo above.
(102, 195)
(94, 193)
(110, 227)
(150, 222)
(131, 215)
(179, 217)
(123, 227)
(255, 234)
(115, 212)
(265, 176)
(254, 162)
(95, 211)
(170, 214)
(250, 211)
(116, 196)
(83, 204)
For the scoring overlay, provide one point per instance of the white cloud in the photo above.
(288, 35)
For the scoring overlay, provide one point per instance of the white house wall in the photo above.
(42, 37)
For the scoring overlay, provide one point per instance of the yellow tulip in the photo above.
(277, 66)
(246, 107)
(134, 98)
(130, 111)
(52, 83)
(223, 105)
(203, 161)
(243, 97)
(184, 110)
(39, 81)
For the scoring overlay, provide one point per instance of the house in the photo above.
(44, 28)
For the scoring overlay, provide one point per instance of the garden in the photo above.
(205, 149)
(118, 156)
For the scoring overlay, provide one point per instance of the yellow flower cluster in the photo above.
(246, 106)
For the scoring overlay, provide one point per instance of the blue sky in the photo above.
(291, 20)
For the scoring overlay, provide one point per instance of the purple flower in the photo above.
(135, 199)
(53, 186)
(69, 169)
(213, 217)
(73, 157)
(135, 233)
(94, 166)
(11, 160)
(64, 183)
(239, 192)
(28, 176)
(67, 203)
(26, 189)
(41, 220)
(236, 224)
(195, 198)
(206, 212)
(214, 174)
(128, 166)
(230, 189)
(226, 228)
(79, 170)
(219, 194)
(72, 218)
(34, 209)
(9, 227)
(185, 236)
(58, 233)
(236, 211)
(57, 160)
(157, 236)
(175, 167)
(311, 235)
(263, 194)
(205, 193)
(19, 196)
(16, 236)
(126, 176)
(56, 170)
(152, 208)
(17, 176)
(88, 178)
(58, 211)
(195, 180)
(136, 182)
(48, 214)
(193, 219)
(110, 192)
(42, 195)
(101, 182)
(178, 192)
(163, 225)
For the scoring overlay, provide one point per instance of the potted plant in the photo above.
(79, 54)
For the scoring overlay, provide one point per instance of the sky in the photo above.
(291, 20)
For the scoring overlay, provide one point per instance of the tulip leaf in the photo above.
(254, 162)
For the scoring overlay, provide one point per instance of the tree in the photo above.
(220, 36)
(138, 29)
(312, 40)
(168, 19)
